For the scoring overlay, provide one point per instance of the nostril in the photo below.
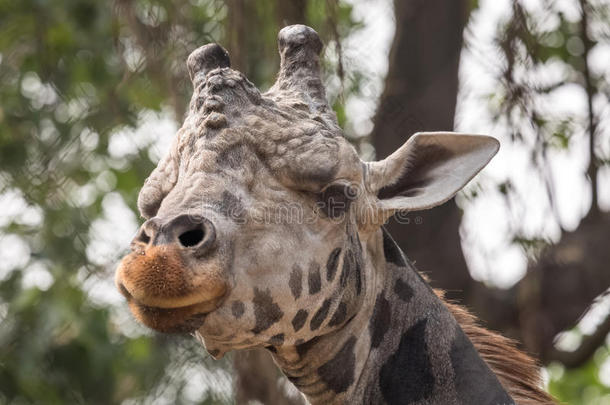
(185, 231)
(144, 238)
(141, 239)
(191, 238)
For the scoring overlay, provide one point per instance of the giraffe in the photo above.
(263, 228)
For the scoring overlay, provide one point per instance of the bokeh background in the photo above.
(92, 92)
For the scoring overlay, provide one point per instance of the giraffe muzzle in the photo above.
(172, 277)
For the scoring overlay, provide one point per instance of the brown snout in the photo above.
(172, 278)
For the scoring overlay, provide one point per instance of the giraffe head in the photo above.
(254, 219)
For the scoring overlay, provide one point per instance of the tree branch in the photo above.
(586, 349)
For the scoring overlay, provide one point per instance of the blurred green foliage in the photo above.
(582, 385)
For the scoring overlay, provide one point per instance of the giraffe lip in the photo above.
(194, 310)
(166, 303)
(204, 306)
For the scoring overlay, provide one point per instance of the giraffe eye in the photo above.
(335, 200)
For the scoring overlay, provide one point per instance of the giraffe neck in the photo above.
(402, 347)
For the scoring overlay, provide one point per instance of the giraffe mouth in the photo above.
(166, 294)
(182, 319)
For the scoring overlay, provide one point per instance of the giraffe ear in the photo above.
(429, 169)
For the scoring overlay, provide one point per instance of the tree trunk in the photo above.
(291, 12)
(420, 95)
(237, 29)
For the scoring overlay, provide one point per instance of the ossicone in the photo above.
(207, 58)
(300, 47)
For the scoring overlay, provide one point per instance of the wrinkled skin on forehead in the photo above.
(272, 139)
(299, 145)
